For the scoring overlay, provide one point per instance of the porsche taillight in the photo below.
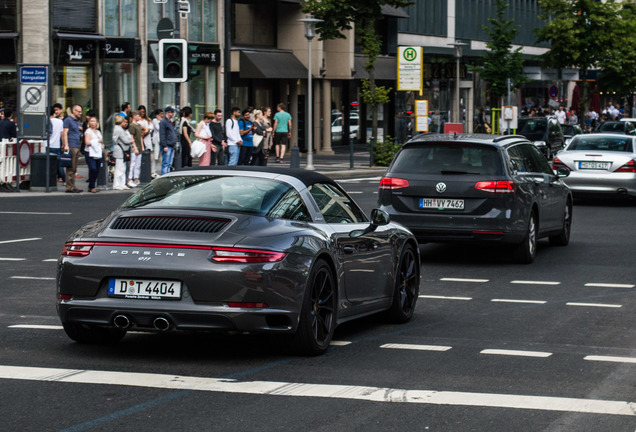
(77, 249)
(391, 183)
(497, 186)
(238, 255)
(629, 167)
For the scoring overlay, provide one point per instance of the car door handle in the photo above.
(348, 249)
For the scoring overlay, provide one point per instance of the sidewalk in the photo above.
(336, 166)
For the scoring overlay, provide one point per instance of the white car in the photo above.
(354, 128)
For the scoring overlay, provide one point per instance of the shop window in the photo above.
(202, 21)
(120, 18)
(202, 91)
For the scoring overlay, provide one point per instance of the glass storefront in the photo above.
(75, 85)
(8, 86)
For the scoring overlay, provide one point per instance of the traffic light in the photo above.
(173, 60)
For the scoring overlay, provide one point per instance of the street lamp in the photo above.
(310, 33)
(458, 55)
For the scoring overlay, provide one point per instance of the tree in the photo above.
(581, 34)
(500, 60)
(338, 16)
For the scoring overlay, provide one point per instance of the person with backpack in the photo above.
(234, 139)
(247, 133)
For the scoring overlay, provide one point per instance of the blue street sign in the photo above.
(553, 91)
(33, 75)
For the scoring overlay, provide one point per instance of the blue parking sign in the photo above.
(33, 74)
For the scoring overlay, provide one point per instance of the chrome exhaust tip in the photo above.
(121, 322)
(161, 324)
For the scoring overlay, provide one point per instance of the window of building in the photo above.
(253, 24)
(202, 95)
(9, 15)
(426, 17)
(154, 13)
(76, 15)
(120, 18)
(202, 21)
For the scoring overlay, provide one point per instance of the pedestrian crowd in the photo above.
(246, 137)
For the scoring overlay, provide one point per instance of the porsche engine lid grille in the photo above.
(169, 223)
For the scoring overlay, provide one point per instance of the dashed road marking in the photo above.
(20, 240)
(516, 353)
(610, 359)
(333, 391)
(445, 297)
(37, 327)
(32, 278)
(519, 301)
(527, 282)
(609, 285)
(12, 259)
(416, 347)
(464, 280)
(340, 343)
(36, 213)
(601, 305)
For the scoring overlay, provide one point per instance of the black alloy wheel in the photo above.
(527, 249)
(318, 314)
(407, 286)
(563, 238)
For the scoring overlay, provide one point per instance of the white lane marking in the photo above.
(34, 213)
(50, 260)
(364, 393)
(526, 282)
(464, 280)
(519, 301)
(604, 305)
(445, 297)
(416, 347)
(340, 343)
(19, 240)
(12, 259)
(610, 359)
(355, 192)
(32, 278)
(516, 353)
(609, 285)
(37, 327)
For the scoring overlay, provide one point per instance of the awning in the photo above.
(394, 12)
(79, 36)
(385, 68)
(271, 64)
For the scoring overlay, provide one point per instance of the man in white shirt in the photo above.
(233, 133)
(560, 115)
(55, 137)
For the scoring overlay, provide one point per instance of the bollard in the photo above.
(146, 166)
(102, 178)
(294, 160)
(176, 162)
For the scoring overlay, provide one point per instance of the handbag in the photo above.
(126, 153)
(197, 149)
(66, 159)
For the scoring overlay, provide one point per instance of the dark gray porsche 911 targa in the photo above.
(237, 250)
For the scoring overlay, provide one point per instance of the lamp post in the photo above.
(310, 33)
(458, 55)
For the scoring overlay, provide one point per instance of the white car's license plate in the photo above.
(595, 165)
(144, 289)
(441, 204)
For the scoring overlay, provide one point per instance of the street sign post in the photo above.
(33, 115)
(410, 68)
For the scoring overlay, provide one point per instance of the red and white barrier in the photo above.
(8, 153)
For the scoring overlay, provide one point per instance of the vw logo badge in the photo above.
(440, 187)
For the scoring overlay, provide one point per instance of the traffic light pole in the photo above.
(176, 163)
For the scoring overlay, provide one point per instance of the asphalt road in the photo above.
(493, 345)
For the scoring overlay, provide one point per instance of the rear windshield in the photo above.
(601, 143)
(448, 158)
(568, 129)
(532, 128)
(222, 193)
(611, 127)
